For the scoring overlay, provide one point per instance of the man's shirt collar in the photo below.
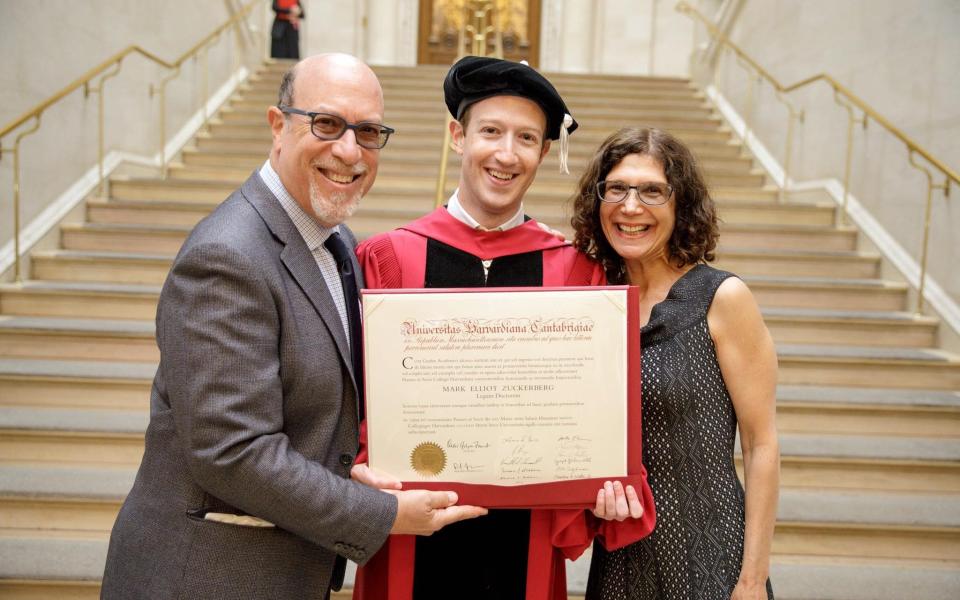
(457, 212)
(312, 232)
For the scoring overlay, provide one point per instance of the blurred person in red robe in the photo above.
(285, 33)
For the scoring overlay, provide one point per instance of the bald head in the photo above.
(326, 175)
(333, 67)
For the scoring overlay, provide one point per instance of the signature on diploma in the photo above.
(573, 455)
(573, 442)
(467, 446)
(520, 439)
(519, 453)
(465, 467)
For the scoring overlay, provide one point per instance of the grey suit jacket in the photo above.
(253, 411)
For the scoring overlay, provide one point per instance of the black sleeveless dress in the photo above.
(689, 429)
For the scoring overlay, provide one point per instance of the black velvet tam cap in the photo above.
(475, 78)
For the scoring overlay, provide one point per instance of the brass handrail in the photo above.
(481, 11)
(849, 101)
(84, 81)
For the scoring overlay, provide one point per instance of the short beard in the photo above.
(332, 209)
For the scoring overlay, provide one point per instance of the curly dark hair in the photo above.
(694, 237)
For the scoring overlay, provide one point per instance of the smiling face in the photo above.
(501, 147)
(327, 178)
(637, 232)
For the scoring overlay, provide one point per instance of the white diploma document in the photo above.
(507, 387)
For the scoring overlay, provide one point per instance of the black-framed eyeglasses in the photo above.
(652, 193)
(331, 127)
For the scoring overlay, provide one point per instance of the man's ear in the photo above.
(275, 118)
(456, 136)
(544, 150)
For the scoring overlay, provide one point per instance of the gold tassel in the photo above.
(565, 143)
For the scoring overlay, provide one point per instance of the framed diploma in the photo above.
(512, 397)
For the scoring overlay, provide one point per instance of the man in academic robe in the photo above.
(506, 115)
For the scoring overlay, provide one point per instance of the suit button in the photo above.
(346, 460)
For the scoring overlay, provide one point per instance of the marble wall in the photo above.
(47, 44)
(903, 59)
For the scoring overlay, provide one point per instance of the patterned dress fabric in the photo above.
(689, 430)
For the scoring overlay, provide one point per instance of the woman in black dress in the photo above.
(708, 368)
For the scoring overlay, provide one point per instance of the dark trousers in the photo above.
(284, 40)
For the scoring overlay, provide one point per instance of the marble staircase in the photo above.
(868, 402)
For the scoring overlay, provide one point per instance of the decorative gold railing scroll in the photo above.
(93, 82)
(851, 103)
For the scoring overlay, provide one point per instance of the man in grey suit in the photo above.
(244, 488)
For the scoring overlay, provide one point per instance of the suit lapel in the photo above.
(299, 262)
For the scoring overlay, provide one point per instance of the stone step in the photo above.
(136, 188)
(744, 261)
(858, 328)
(794, 577)
(798, 263)
(708, 145)
(420, 198)
(579, 103)
(42, 589)
(853, 461)
(79, 300)
(854, 546)
(430, 131)
(65, 567)
(100, 267)
(916, 368)
(784, 236)
(828, 577)
(433, 119)
(828, 293)
(734, 232)
(109, 267)
(415, 109)
(414, 102)
(39, 497)
(200, 166)
(587, 87)
(831, 437)
(64, 437)
(385, 197)
(401, 144)
(868, 411)
(84, 339)
(797, 577)
(104, 339)
(399, 175)
(171, 213)
(147, 239)
(867, 541)
(76, 384)
(429, 159)
(549, 171)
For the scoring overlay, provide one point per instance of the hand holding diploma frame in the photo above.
(512, 397)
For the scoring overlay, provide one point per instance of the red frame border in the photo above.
(579, 493)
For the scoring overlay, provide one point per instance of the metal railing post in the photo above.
(927, 212)
(98, 90)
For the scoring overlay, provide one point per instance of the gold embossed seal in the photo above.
(428, 459)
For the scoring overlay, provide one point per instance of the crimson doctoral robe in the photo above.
(508, 552)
